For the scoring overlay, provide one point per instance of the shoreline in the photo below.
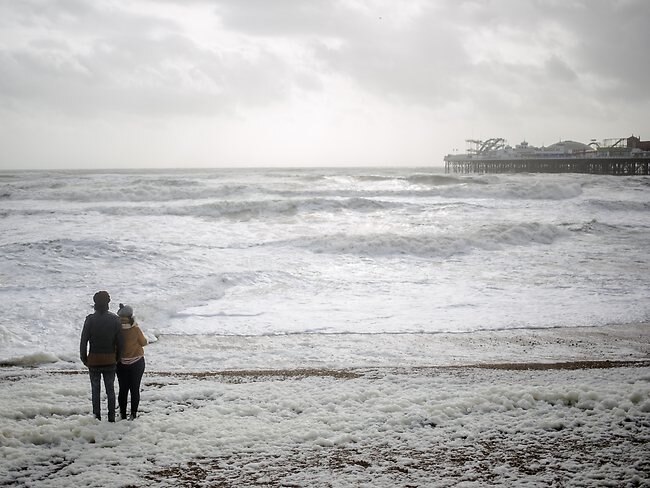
(629, 342)
(626, 342)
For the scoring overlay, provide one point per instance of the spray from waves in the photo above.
(241, 210)
(416, 179)
(73, 249)
(465, 186)
(440, 180)
(491, 238)
(142, 191)
(496, 188)
(421, 179)
(607, 229)
(534, 191)
(283, 208)
(375, 177)
(619, 206)
(483, 191)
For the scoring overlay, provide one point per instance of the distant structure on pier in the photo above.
(624, 156)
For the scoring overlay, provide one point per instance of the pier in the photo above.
(619, 157)
(599, 166)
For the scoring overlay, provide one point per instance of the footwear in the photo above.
(132, 416)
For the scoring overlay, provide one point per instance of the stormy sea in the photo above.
(331, 327)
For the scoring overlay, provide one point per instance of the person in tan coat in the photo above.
(131, 366)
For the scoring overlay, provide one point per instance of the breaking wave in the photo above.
(257, 209)
(619, 206)
(493, 238)
(138, 192)
(34, 359)
(440, 180)
(515, 191)
(483, 190)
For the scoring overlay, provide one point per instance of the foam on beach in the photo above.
(30, 359)
(380, 427)
(522, 407)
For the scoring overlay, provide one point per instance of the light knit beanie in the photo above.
(125, 311)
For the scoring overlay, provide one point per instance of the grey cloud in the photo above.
(557, 69)
(426, 62)
(418, 61)
(524, 90)
(105, 79)
(615, 44)
(286, 18)
(77, 18)
(112, 63)
(610, 40)
(91, 56)
(413, 65)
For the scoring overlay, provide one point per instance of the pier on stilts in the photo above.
(620, 157)
(597, 166)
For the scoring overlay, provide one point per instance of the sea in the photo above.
(312, 253)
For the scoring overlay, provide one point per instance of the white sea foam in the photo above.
(33, 359)
(380, 428)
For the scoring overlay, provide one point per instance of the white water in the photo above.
(273, 252)
(382, 272)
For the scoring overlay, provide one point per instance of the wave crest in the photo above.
(493, 238)
(256, 209)
(34, 359)
(620, 206)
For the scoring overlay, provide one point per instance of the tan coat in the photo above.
(133, 340)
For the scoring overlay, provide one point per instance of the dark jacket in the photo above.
(103, 332)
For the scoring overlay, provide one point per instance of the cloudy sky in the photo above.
(191, 83)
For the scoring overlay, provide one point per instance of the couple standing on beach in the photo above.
(116, 346)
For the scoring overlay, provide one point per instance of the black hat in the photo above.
(101, 298)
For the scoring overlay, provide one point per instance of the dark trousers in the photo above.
(129, 377)
(96, 374)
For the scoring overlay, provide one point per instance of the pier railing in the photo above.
(620, 166)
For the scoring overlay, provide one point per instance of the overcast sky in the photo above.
(191, 83)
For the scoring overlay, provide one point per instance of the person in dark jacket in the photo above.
(102, 330)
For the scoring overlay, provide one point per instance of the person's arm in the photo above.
(142, 340)
(83, 343)
(119, 342)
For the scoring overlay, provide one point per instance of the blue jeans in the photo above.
(96, 374)
(130, 376)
